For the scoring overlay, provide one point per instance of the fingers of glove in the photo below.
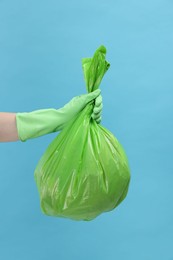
(84, 99)
(98, 120)
(98, 110)
(79, 102)
(98, 101)
(92, 95)
(97, 117)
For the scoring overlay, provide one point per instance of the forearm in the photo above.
(8, 128)
(24, 126)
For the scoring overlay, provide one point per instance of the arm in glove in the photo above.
(41, 122)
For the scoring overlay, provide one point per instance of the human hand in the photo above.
(73, 107)
(96, 115)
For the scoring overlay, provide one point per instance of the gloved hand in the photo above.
(96, 115)
(45, 121)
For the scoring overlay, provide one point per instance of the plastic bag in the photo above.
(84, 171)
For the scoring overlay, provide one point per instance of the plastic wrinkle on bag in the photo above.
(84, 171)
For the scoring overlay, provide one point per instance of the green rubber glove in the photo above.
(96, 115)
(45, 121)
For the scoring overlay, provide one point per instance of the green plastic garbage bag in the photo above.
(84, 171)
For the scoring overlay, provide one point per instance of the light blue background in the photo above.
(41, 46)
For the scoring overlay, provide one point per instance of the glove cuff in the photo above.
(37, 123)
